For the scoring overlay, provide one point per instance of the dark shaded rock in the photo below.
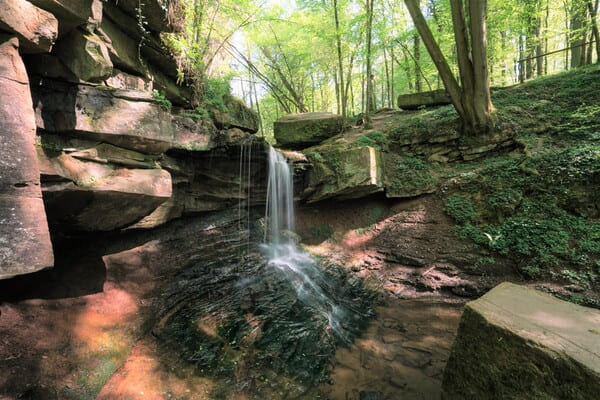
(25, 245)
(85, 55)
(159, 15)
(125, 81)
(515, 342)
(415, 100)
(48, 66)
(36, 29)
(302, 130)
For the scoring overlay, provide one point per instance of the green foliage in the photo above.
(410, 175)
(162, 100)
(215, 91)
(461, 209)
(374, 139)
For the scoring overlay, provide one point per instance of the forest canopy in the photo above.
(288, 56)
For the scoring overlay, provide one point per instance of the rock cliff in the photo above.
(95, 122)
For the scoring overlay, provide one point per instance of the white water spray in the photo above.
(297, 266)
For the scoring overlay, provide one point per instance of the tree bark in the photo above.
(482, 100)
(370, 107)
(576, 38)
(417, 60)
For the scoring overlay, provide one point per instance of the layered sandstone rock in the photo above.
(296, 131)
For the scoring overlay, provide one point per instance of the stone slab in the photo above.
(298, 131)
(36, 29)
(519, 343)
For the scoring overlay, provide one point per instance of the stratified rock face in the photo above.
(517, 343)
(72, 13)
(36, 29)
(24, 239)
(298, 131)
(343, 173)
(415, 100)
(130, 119)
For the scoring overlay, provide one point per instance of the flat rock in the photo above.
(415, 100)
(36, 29)
(303, 130)
(343, 173)
(235, 115)
(516, 342)
(25, 245)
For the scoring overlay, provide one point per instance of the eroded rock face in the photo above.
(515, 342)
(343, 173)
(36, 29)
(236, 115)
(298, 131)
(85, 55)
(24, 238)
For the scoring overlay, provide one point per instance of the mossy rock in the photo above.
(297, 131)
(517, 343)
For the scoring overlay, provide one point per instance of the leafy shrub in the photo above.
(374, 139)
(461, 209)
(162, 100)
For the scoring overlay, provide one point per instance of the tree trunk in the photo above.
(593, 10)
(417, 59)
(482, 99)
(576, 37)
(387, 77)
(343, 99)
(369, 76)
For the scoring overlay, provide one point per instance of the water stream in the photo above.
(283, 254)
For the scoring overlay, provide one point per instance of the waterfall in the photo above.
(298, 267)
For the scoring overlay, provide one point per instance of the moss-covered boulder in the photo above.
(298, 131)
(233, 113)
(517, 343)
(343, 172)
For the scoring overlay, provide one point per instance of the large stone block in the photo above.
(98, 196)
(129, 119)
(423, 99)
(85, 55)
(25, 245)
(36, 29)
(302, 130)
(343, 173)
(517, 343)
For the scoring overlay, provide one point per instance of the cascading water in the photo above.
(298, 267)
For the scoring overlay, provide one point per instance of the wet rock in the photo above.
(25, 245)
(515, 342)
(302, 130)
(36, 29)
(343, 173)
(85, 55)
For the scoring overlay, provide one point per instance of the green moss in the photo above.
(409, 176)
(162, 100)
(461, 209)
(374, 139)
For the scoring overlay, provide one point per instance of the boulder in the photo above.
(25, 245)
(129, 119)
(302, 130)
(235, 115)
(423, 99)
(36, 29)
(518, 343)
(125, 81)
(85, 55)
(343, 173)
(99, 197)
(72, 13)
